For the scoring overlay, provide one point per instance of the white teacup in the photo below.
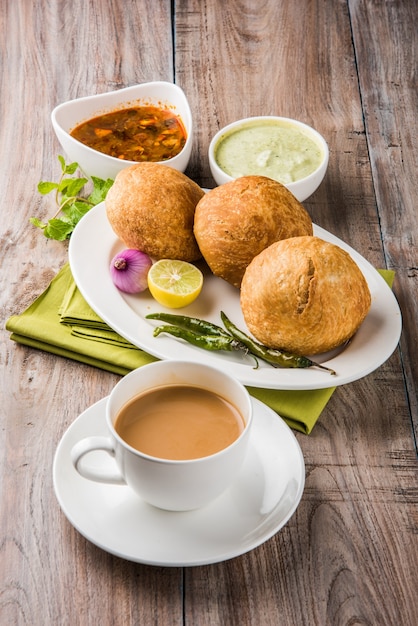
(167, 483)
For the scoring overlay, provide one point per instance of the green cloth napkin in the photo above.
(61, 322)
(51, 324)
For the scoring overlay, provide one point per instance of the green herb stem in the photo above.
(70, 203)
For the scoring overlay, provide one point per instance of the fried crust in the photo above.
(236, 221)
(304, 295)
(151, 208)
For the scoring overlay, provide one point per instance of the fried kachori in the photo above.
(151, 208)
(237, 220)
(304, 295)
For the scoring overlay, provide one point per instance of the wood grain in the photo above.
(51, 52)
(389, 86)
(314, 78)
(349, 554)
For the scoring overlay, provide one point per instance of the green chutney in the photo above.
(278, 150)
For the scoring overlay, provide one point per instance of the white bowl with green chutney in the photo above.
(280, 148)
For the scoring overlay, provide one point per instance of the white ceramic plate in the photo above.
(258, 504)
(92, 247)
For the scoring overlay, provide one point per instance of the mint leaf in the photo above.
(67, 169)
(36, 222)
(70, 203)
(70, 169)
(62, 161)
(58, 229)
(45, 187)
(73, 186)
(75, 211)
(100, 189)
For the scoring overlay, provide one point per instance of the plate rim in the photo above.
(384, 304)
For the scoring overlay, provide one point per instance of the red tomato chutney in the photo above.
(145, 133)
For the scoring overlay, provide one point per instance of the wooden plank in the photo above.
(389, 86)
(334, 561)
(51, 52)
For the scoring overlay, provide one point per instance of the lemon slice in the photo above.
(173, 283)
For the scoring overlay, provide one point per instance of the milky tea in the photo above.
(179, 422)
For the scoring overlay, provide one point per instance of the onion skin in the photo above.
(129, 270)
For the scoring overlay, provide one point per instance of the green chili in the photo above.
(201, 327)
(277, 358)
(207, 342)
(204, 334)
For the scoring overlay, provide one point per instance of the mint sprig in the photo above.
(71, 204)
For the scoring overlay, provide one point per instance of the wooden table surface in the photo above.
(348, 67)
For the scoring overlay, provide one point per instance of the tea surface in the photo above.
(179, 422)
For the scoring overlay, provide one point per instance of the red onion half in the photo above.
(129, 270)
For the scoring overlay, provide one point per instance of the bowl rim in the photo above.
(188, 124)
(248, 121)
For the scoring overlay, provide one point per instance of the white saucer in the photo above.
(259, 503)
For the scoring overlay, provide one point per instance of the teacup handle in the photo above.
(91, 444)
